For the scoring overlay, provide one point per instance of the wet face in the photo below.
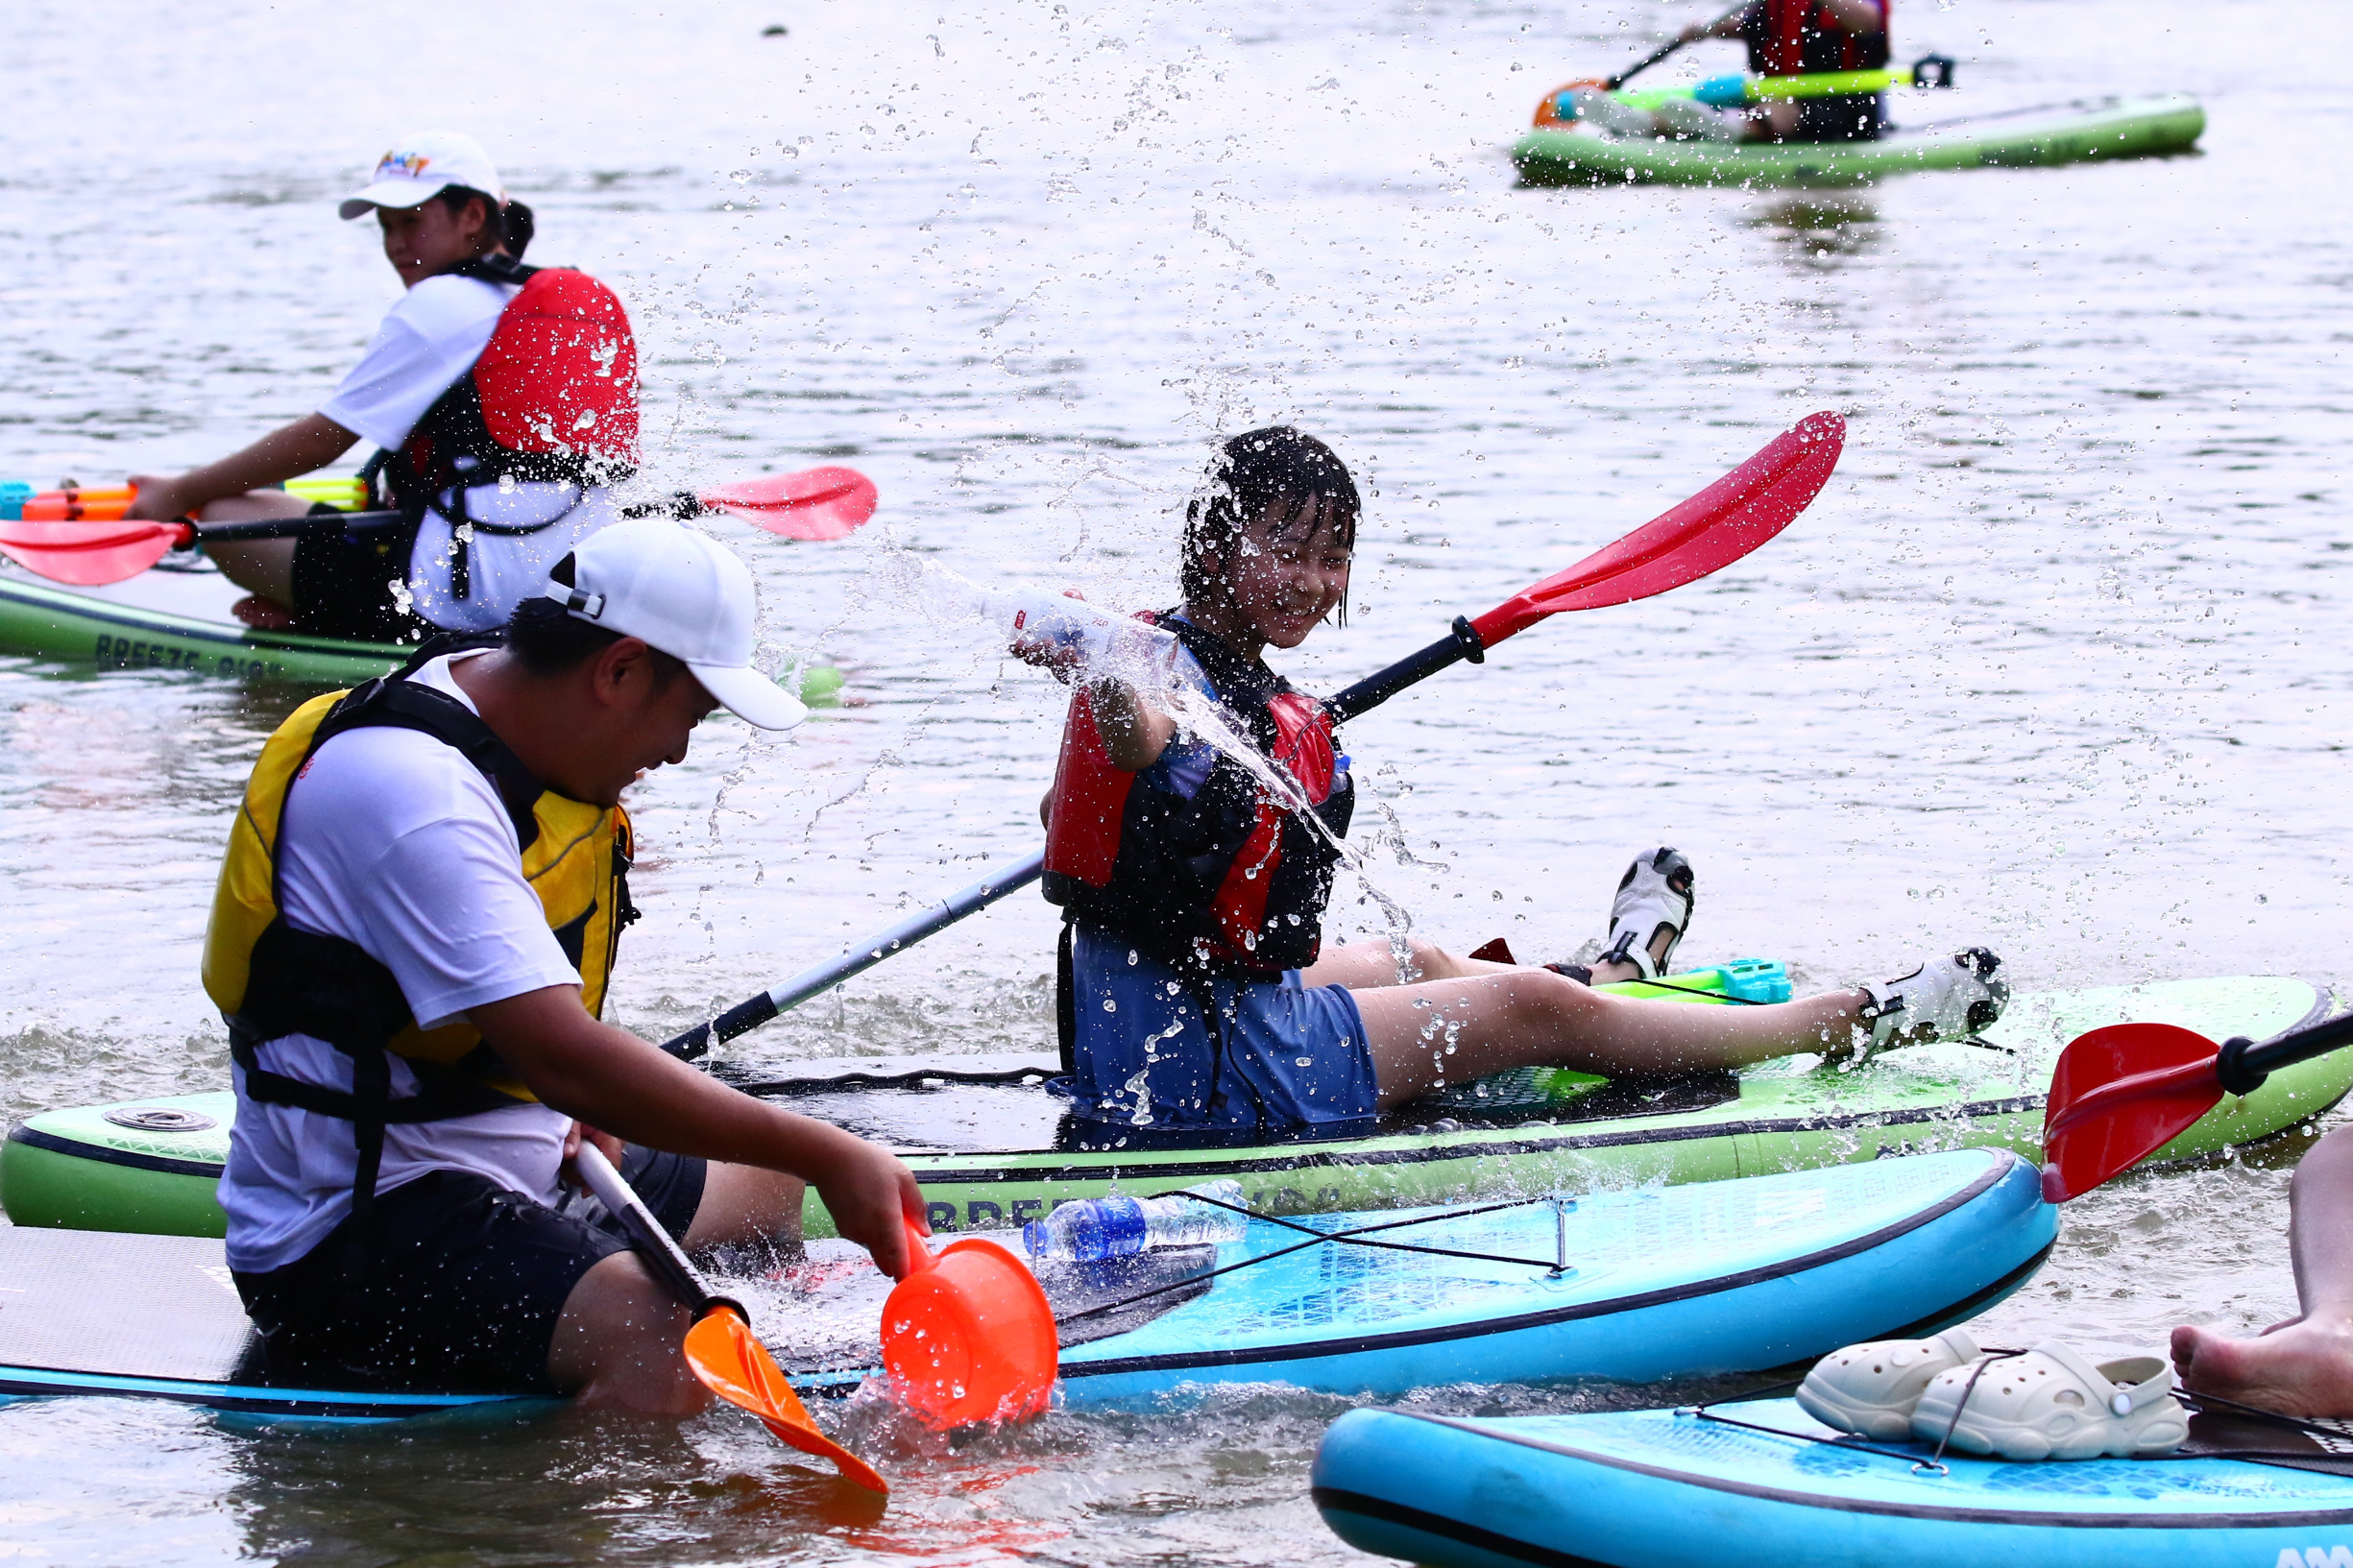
(649, 722)
(1285, 575)
(427, 239)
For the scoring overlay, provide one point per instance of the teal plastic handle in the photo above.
(1723, 92)
(1757, 979)
(14, 493)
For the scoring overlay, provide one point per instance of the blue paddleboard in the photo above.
(1631, 1285)
(1650, 1488)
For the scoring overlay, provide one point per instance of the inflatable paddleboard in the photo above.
(180, 621)
(992, 1151)
(1649, 1488)
(1631, 1285)
(2099, 131)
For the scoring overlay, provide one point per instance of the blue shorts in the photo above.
(1275, 1060)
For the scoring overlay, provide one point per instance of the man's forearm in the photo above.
(617, 1083)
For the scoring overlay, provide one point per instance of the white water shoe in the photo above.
(1654, 896)
(1870, 1388)
(2049, 1403)
(1945, 999)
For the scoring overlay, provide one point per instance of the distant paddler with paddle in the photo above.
(1818, 72)
(503, 397)
(416, 922)
(1198, 999)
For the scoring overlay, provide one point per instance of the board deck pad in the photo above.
(129, 1306)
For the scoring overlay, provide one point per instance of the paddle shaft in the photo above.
(2242, 1064)
(1662, 52)
(658, 1249)
(749, 1015)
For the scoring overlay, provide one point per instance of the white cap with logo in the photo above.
(672, 588)
(422, 165)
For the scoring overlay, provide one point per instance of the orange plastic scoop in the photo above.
(968, 1335)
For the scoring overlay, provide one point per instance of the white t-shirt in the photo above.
(392, 840)
(425, 345)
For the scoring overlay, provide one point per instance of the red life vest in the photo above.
(1227, 883)
(1797, 37)
(553, 397)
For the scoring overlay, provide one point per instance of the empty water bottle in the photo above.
(1112, 1227)
(1084, 636)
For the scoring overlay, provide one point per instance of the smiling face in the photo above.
(652, 720)
(427, 239)
(1284, 571)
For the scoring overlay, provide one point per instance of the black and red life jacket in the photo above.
(1227, 883)
(552, 398)
(1797, 37)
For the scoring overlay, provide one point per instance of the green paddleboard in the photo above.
(179, 621)
(2101, 130)
(986, 1141)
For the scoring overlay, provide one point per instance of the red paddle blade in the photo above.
(87, 554)
(2118, 1096)
(813, 504)
(1711, 530)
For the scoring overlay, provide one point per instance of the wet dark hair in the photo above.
(548, 639)
(511, 225)
(1279, 471)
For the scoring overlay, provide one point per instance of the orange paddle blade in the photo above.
(88, 553)
(813, 504)
(968, 1336)
(2119, 1095)
(735, 1367)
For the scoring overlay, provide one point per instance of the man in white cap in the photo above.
(416, 922)
(503, 400)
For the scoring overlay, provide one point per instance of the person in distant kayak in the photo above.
(2302, 1367)
(1197, 1000)
(415, 927)
(1784, 37)
(503, 399)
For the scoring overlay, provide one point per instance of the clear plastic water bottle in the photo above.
(1112, 1227)
(1086, 638)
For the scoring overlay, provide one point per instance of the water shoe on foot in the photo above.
(1945, 999)
(1653, 900)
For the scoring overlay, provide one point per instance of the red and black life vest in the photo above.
(1227, 883)
(552, 398)
(1797, 37)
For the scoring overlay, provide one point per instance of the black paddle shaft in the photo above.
(2243, 1065)
(1660, 53)
(352, 522)
(1457, 645)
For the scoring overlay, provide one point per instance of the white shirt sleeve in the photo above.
(425, 343)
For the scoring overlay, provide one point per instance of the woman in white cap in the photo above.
(503, 399)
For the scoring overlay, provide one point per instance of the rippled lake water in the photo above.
(2055, 663)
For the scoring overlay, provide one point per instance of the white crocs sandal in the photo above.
(1870, 1388)
(2049, 1403)
(1953, 998)
(1654, 893)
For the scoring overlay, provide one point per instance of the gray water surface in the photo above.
(2054, 663)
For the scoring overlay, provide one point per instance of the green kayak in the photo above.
(2094, 131)
(990, 1147)
(180, 621)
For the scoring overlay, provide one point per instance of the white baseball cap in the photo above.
(421, 166)
(672, 588)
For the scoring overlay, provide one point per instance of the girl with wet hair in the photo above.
(1197, 1001)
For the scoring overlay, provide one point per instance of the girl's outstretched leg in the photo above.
(1450, 1032)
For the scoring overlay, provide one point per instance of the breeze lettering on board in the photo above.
(2315, 1557)
(128, 653)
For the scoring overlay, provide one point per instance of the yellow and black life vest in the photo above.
(270, 980)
